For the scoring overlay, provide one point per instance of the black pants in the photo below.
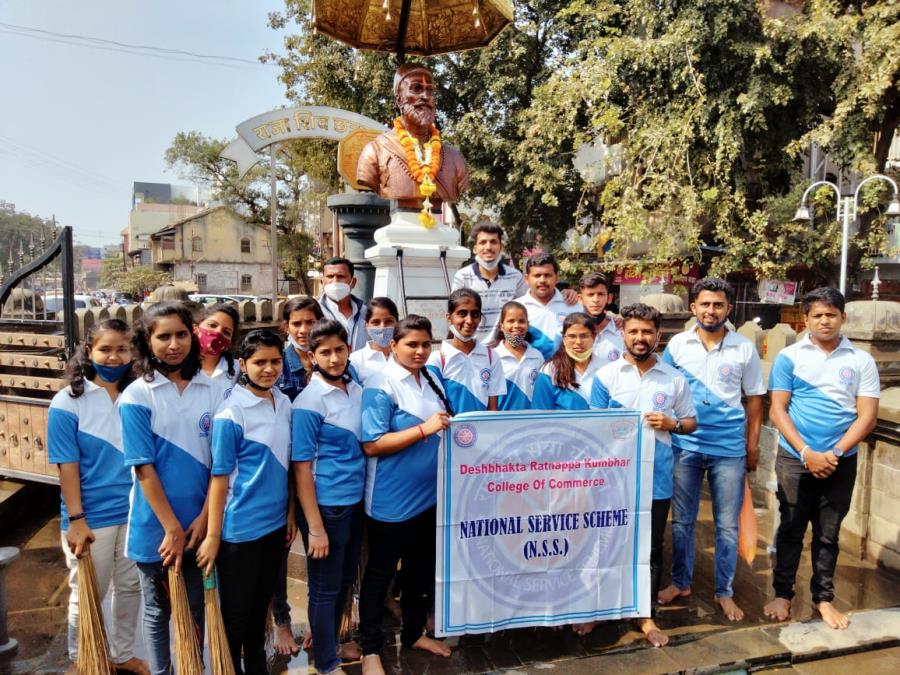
(412, 542)
(659, 515)
(248, 572)
(804, 499)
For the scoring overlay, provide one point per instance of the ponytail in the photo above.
(437, 390)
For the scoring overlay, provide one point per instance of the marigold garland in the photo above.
(423, 164)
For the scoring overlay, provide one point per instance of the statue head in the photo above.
(414, 94)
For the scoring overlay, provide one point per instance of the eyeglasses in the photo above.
(578, 337)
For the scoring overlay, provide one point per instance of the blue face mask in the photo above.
(111, 373)
(381, 336)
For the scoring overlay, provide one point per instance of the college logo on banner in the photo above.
(543, 519)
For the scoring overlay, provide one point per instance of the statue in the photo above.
(410, 163)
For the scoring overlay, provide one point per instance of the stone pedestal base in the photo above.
(424, 275)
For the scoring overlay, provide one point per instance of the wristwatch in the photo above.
(837, 452)
(677, 429)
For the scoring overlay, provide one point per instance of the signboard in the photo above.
(679, 275)
(777, 292)
(543, 519)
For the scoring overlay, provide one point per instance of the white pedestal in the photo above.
(421, 263)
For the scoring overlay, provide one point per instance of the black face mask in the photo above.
(343, 377)
(245, 380)
(164, 367)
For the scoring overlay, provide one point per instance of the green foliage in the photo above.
(20, 229)
(135, 281)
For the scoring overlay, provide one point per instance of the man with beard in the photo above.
(384, 165)
(641, 381)
(719, 364)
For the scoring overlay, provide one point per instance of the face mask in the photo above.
(337, 291)
(459, 336)
(713, 328)
(211, 342)
(164, 367)
(492, 265)
(296, 345)
(111, 373)
(345, 376)
(515, 340)
(245, 380)
(580, 358)
(381, 336)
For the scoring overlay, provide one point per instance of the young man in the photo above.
(719, 365)
(824, 401)
(594, 295)
(339, 304)
(547, 308)
(642, 381)
(495, 282)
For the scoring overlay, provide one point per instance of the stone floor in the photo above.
(37, 597)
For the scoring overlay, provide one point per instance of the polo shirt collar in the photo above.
(657, 364)
(501, 271)
(396, 371)
(159, 379)
(450, 351)
(247, 399)
(557, 296)
(729, 340)
(806, 342)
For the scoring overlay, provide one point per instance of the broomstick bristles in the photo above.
(93, 648)
(220, 662)
(187, 647)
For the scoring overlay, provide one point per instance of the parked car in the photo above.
(54, 303)
(204, 298)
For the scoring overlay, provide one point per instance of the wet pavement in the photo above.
(700, 633)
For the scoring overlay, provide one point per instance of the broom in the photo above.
(93, 650)
(187, 648)
(219, 655)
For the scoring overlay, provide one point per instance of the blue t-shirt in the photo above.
(404, 484)
(545, 321)
(171, 431)
(717, 377)
(548, 396)
(823, 388)
(520, 377)
(326, 429)
(251, 444)
(86, 430)
(469, 379)
(661, 389)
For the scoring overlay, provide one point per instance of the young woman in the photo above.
(166, 418)
(471, 373)
(250, 522)
(404, 414)
(215, 334)
(381, 317)
(564, 382)
(297, 318)
(521, 362)
(96, 483)
(330, 472)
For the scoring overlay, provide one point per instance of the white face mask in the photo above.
(337, 291)
(296, 345)
(459, 336)
(492, 265)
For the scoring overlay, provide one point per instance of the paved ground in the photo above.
(702, 639)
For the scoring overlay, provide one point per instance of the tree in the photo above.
(19, 231)
(136, 281)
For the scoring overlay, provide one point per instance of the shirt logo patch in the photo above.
(485, 376)
(465, 436)
(613, 355)
(659, 400)
(847, 375)
(204, 423)
(726, 370)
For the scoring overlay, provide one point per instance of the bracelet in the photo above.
(77, 516)
(316, 535)
(421, 431)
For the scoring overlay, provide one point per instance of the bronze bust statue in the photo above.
(392, 164)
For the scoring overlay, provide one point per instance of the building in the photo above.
(217, 250)
(155, 206)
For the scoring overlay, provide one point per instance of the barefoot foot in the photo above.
(285, 645)
(428, 644)
(831, 616)
(730, 609)
(778, 609)
(371, 665)
(655, 636)
(584, 628)
(349, 651)
(669, 593)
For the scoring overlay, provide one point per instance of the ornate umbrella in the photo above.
(421, 27)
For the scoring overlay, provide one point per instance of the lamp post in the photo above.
(847, 206)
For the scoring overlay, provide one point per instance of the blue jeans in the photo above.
(726, 484)
(158, 610)
(331, 578)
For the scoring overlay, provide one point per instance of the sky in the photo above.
(79, 125)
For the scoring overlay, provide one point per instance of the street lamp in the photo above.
(847, 206)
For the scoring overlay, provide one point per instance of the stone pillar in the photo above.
(360, 214)
(8, 646)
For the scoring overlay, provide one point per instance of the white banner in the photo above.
(543, 519)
